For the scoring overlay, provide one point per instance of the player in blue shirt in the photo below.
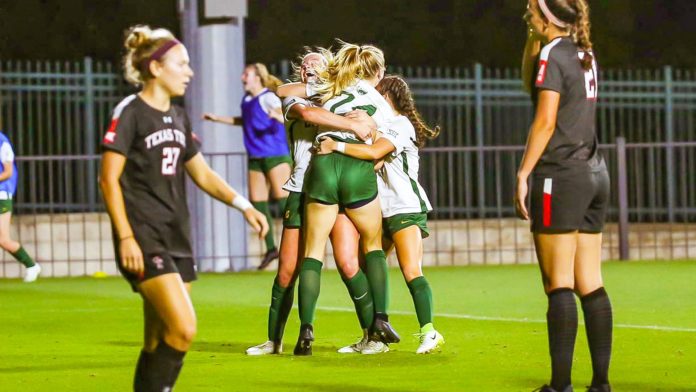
(8, 186)
(266, 144)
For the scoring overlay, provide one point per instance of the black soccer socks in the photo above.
(158, 371)
(598, 325)
(562, 322)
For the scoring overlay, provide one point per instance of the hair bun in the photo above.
(137, 36)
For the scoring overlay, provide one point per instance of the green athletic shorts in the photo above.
(401, 221)
(265, 165)
(339, 179)
(294, 211)
(5, 206)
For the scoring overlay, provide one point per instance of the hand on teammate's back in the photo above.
(131, 256)
(326, 146)
(366, 124)
(257, 220)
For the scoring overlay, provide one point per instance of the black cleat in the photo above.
(267, 258)
(599, 388)
(383, 331)
(305, 340)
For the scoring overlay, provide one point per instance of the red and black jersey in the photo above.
(574, 142)
(156, 145)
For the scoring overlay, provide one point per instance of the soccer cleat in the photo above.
(383, 331)
(429, 342)
(32, 273)
(599, 388)
(374, 347)
(354, 348)
(271, 255)
(266, 348)
(304, 341)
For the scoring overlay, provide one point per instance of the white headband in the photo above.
(551, 17)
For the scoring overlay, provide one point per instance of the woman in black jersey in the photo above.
(570, 185)
(147, 148)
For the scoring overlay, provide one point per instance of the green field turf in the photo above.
(84, 334)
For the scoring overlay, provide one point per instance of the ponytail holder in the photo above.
(550, 16)
(160, 52)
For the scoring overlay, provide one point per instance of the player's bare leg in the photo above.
(169, 313)
(368, 221)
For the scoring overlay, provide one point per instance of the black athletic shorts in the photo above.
(159, 263)
(570, 201)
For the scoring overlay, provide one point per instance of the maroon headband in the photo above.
(160, 52)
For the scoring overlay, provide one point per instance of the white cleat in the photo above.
(32, 273)
(429, 342)
(265, 349)
(375, 347)
(355, 348)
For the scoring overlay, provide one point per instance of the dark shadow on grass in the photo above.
(124, 343)
(324, 355)
(620, 386)
(333, 387)
(75, 366)
(240, 347)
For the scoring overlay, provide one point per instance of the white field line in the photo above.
(511, 319)
(523, 320)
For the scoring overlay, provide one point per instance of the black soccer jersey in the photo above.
(574, 141)
(156, 145)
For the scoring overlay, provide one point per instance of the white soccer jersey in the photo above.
(358, 96)
(6, 153)
(399, 190)
(301, 135)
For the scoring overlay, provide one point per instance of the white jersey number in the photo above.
(170, 157)
(591, 83)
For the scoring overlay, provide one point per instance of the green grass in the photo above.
(83, 334)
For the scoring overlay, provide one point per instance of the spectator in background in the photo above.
(266, 144)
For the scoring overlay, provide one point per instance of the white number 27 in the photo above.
(170, 157)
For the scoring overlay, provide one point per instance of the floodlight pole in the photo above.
(213, 32)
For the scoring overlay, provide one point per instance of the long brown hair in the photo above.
(577, 14)
(400, 95)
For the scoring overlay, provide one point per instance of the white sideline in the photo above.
(443, 315)
(512, 320)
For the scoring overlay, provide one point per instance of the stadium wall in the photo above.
(80, 244)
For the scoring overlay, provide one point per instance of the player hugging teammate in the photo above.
(336, 191)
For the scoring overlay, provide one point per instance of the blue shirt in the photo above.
(263, 136)
(9, 185)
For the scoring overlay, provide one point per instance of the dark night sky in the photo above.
(626, 33)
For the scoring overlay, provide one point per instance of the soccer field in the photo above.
(84, 334)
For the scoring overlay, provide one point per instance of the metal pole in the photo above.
(669, 138)
(214, 35)
(622, 187)
(478, 74)
(90, 134)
